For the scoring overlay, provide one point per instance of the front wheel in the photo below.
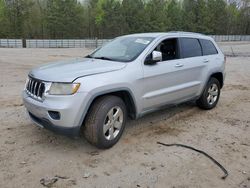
(105, 121)
(210, 95)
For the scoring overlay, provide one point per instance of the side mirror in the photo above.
(153, 58)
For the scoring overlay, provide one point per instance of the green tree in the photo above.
(91, 18)
(109, 19)
(63, 18)
(174, 13)
(4, 24)
(245, 18)
(233, 16)
(189, 17)
(34, 22)
(17, 12)
(217, 19)
(157, 19)
(135, 17)
(202, 17)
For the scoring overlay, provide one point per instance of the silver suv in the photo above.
(128, 77)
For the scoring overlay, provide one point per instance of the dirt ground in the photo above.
(29, 153)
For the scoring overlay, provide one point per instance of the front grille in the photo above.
(35, 88)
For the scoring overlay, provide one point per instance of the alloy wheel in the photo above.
(213, 92)
(113, 123)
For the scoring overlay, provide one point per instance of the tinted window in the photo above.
(190, 47)
(208, 47)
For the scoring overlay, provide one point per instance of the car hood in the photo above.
(68, 71)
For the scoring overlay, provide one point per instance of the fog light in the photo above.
(54, 115)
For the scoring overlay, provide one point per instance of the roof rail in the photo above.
(185, 32)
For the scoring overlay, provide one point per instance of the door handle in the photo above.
(179, 65)
(205, 61)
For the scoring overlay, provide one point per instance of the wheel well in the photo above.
(127, 99)
(219, 77)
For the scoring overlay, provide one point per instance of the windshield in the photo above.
(123, 49)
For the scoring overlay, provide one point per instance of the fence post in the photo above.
(24, 43)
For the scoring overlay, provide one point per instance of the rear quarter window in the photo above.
(208, 47)
(190, 47)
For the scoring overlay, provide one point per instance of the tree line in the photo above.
(64, 19)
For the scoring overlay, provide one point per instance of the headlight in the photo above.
(63, 88)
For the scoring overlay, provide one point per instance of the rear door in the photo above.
(195, 65)
(210, 53)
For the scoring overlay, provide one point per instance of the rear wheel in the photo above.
(210, 95)
(105, 121)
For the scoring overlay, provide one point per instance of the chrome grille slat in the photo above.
(35, 88)
(39, 87)
(29, 85)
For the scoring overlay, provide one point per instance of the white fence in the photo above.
(88, 43)
(85, 43)
(222, 38)
(11, 43)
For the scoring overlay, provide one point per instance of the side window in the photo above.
(190, 47)
(208, 47)
(169, 49)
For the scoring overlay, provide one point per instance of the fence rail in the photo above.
(88, 43)
(85, 43)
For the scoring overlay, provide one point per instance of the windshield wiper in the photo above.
(88, 56)
(103, 58)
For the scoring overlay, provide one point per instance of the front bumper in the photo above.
(44, 123)
(71, 108)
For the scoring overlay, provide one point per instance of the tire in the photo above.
(210, 96)
(107, 115)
